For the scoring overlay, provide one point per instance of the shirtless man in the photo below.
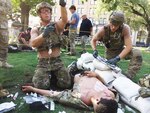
(46, 38)
(88, 90)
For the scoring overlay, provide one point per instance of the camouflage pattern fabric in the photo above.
(3, 44)
(144, 92)
(135, 64)
(53, 41)
(5, 9)
(64, 41)
(114, 43)
(71, 98)
(72, 36)
(145, 81)
(135, 57)
(43, 74)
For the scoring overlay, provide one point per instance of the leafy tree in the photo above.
(137, 11)
(24, 7)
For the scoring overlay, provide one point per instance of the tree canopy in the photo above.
(24, 7)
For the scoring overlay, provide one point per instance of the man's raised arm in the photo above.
(64, 18)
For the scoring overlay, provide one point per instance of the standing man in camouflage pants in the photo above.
(50, 70)
(117, 39)
(5, 8)
(73, 29)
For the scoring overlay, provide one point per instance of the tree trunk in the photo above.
(148, 38)
(25, 8)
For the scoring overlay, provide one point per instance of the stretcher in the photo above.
(126, 88)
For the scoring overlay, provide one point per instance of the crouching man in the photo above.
(88, 90)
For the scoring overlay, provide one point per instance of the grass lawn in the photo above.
(25, 63)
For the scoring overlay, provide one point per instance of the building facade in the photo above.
(83, 7)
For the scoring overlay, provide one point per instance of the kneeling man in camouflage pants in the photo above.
(46, 38)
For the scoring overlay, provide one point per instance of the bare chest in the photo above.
(90, 88)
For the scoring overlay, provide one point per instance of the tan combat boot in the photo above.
(3, 92)
(5, 65)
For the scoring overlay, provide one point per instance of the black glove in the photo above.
(114, 60)
(62, 3)
(47, 30)
(95, 53)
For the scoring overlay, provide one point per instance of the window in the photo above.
(91, 11)
(80, 10)
(54, 18)
(93, 2)
(105, 20)
(80, 2)
(54, 10)
(102, 21)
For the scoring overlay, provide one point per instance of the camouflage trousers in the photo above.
(83, 41)
(64, 41)
(48, 68)
(71, 98)
(3, 44)
(135, 57)
(72, 36)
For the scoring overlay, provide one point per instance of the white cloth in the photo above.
(86, 62)
(7, 106)
(107, 76)
(100, 66)
(126, 87)
(34, 98)
(128, 91)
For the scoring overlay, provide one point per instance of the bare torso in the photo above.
(89, 87)
(45, 54)
(55, 52)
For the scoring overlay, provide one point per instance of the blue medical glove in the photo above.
(114, 60)
(95, 53)
(47, 30)
(62, 3)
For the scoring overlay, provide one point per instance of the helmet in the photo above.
(117, 18)
(43, 5)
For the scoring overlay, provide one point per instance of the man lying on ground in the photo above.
(88, 90)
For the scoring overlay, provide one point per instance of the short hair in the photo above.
(29, 29)
(73, 7)
(106, 106)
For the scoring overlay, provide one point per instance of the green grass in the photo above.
(25, 64)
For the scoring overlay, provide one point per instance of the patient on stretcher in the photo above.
(88, 91)
(91, 90)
